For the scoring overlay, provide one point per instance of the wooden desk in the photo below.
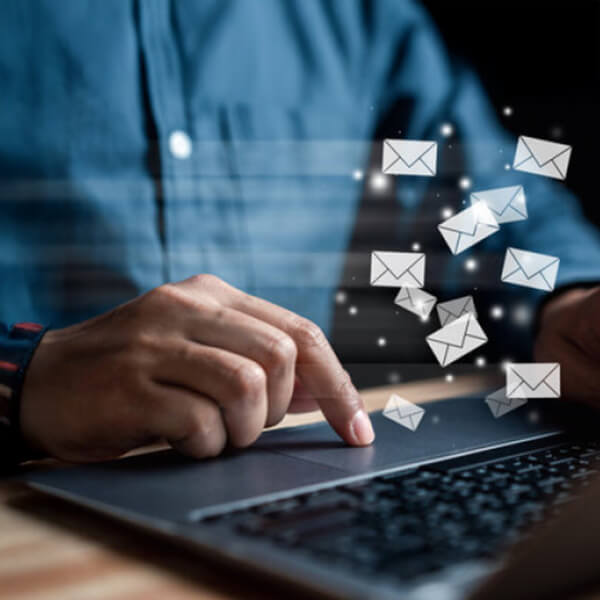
(52, 550)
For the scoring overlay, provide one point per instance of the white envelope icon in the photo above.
(453, 309)
(397, 269)
(457, 339)
(507, 204)
(542, 157)
(403, 412)
(533, 380)
(468, 227)
(500, 404)
(530, 269)
(409, 157)
(416, 301)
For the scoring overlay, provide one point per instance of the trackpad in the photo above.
(449, 427)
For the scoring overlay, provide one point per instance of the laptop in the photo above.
(425, 514)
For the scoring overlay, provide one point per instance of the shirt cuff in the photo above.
(17, 346)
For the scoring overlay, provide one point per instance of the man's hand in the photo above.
(570, 335)
(198, 363)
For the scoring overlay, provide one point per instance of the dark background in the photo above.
(543, 60)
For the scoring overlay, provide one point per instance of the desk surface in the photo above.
(52, 550)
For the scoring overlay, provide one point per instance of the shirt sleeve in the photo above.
(17, 345)
(423, 90)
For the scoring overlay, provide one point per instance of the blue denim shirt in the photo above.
(150, 140)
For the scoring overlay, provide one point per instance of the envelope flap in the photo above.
(452, 334)
(467, 221)
(531, 263)
(403, 407)
(398, 263)
(499, 396)
(498, 198)
(533, 374)
(456, 307)
(410, 151)
(543, 151)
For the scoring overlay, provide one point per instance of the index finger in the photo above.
(317, 368)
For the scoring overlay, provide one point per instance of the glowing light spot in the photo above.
(394, 377)
(480, 361)
(435, 419)
(507, 167)
(416, 247)
(507, 111)
(471, 265)
(353, 310)
(381, 342)
(505, 364)
(379, 181)
(497, 312)
(341, 297)
(446, 212)
(447, 129)
(522, 315)
(464, 183)
(449, 378)
(357, 175)
(533, 416)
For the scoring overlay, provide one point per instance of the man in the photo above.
(146, 142)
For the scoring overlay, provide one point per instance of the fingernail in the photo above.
(362, 430)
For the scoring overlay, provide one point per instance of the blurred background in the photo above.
(542, 61)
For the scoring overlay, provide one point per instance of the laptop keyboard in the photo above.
(410, 523)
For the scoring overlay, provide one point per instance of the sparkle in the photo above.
(353, 310)
(447, 212)
(464, 183)
(522, 315)
(533, 416)
(381, 342)
(435, 419)
(357, 175)
(424, 318)
(341, 297)
(416, 247)
(449, 378)
(393, 377)
(480, 361)
(507, 111)
(507, 167)
(471, 264)
(379, 181)
(505, 364)
(496, 312)
(447, 129)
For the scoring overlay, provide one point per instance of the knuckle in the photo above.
(205, 430)
(250, 380)
(308, 334)
(281, 352)
(206, 280)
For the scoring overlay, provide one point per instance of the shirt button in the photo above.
(180, 144)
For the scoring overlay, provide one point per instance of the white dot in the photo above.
(507, 167)
(381, 342)
(424, 318)
(505, 364)
(180, 144)
(435, 419)
(471, 264)
(447, 129)
(353, 310)
(533, 416)
(507, 111)
(379, 181)
(446, 212)
(480, 361)
(496, 312)
(464, 183)
(449, 378)
(522, 315)
(357, 175)
(341, 297)
(416, 247)
(394, 377)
